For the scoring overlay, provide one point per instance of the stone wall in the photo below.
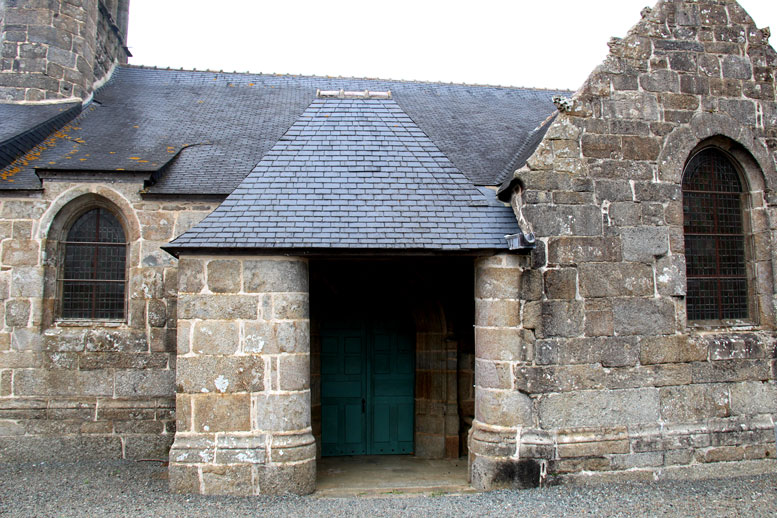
(597, 365)
(57, 49)
(243, 379)
(87, 389)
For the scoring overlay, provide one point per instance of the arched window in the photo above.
(714, 238)
(93, 268)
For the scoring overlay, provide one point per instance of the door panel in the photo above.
(342, 388)
(367, 389)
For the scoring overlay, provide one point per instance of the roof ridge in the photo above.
(356, 78)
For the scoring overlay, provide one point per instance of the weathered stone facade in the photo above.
(88, 389)
(586, 359)
(59, 50)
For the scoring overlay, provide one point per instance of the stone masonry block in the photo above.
(191, 275)
(496, 375)
(222, 412)
(282, 412)
(291, 306)
(670, 275)
(497, 283)
(17, 312)
(599, 408)
(649, 376)
(62, 382)
(294, 371)
(562, 318)
(235, 480)
(497, 313)
(644, 316)
(751, 398)
(531, 287)
(609, 351)
(565, 220)
(215, 337)
(563, 378)
(183, 412)
(631, 105)
(736, 67)
(735, 346)
(221, 307)
(615, 280)
(660, 81)
(644, 243)
(694, 403)
(265, 276)
(532, 315)
(225, 374)
(277, 337)
(641, 148)
(561, 283)
(145, 383)
(601, 146)
(671, 349)
(224, 276)
(27, 282)
(503, 344)
(730, 370)
(101, 340)
(156, 225)
(20, 252)
(503, 407)
(156, 313)
(574, 250)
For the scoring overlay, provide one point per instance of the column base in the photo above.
(242, 464)
(507, 457)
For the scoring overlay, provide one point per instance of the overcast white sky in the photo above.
(545, 44)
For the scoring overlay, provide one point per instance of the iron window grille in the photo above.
(716, 267)
(93, 273)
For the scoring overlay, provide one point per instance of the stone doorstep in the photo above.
(380, 476)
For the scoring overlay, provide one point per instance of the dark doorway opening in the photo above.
(392, 355)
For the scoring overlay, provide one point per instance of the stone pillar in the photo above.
(243, 378)
(502, 412)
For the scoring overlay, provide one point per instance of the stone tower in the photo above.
(59, 49)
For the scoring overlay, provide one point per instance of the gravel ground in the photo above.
(129, 489)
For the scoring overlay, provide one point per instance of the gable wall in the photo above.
(88, 390)
(615, 377)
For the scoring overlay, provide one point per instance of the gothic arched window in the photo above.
(93, 272)
(716, 267)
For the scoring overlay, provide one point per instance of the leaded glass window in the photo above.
(714, 239)
(93, 275)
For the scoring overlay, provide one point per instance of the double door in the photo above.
(367, 388)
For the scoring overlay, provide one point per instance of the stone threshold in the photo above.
(380, 476)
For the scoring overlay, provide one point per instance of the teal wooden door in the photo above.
(367, 383)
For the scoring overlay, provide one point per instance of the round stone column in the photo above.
(243, 377)
(501, 344)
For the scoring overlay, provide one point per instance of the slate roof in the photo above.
(23, 126)
(355, 174)
(203, 132)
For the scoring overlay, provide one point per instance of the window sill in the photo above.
(727, 325)
(90, 323)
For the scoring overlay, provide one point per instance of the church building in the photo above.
(244, 273)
